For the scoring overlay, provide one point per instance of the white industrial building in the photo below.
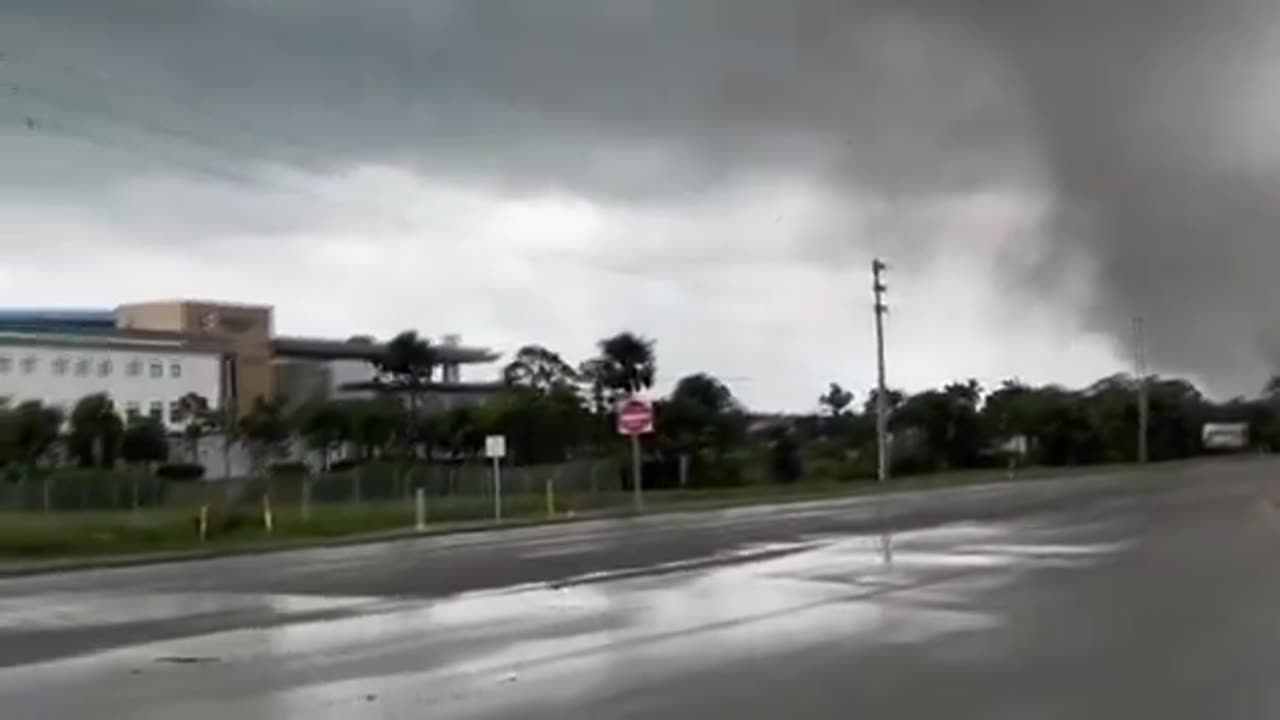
(143, 377)
(147, 356)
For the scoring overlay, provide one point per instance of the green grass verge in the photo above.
(33, 536)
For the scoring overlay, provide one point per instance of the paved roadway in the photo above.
(1123, 596)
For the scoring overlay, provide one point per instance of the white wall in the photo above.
(350, 371)
(109, 372)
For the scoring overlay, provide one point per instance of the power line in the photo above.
(191, 107)
(33, 120)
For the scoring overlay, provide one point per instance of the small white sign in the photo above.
(495, 446)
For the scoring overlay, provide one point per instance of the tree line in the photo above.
(552, 410)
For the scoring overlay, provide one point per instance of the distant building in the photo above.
(147, 356)
(1225, 437)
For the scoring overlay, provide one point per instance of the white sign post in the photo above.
(635, 418)
(495, 448)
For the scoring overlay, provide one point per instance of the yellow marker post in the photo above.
(551, 497)
(204, 523)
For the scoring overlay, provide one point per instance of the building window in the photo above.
(6, 365)
(82, 367)
(134, 368)
(175, 370)
(104, 368)
(156, 411)
(60, 366)
(157, 370)
(28, 365)
(132, 410)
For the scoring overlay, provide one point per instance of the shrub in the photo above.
(180, 471)
(288, 469)
(345, 464)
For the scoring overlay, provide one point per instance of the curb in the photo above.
(18, 570)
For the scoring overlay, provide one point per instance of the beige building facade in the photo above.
(245, 331)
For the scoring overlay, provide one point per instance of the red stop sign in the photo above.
(635, 417)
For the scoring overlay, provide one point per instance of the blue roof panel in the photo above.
(54, 318)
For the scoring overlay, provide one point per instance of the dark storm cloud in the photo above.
(1139, 110)
(634, 96)
(1120, 111)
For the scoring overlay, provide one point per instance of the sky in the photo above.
(714, 174)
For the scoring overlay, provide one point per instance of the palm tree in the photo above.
(409, 362)
(836, 400)
(408, 367)
(627, 364)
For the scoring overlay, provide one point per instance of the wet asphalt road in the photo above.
(1121, 596)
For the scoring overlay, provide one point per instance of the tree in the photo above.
(785, 462)
(373, 425)
(408, 367)
(198, 419)
(1178, 412)
(1008, 410)
(592, 374)
(265, 432)
(894, 400)
(539, 427)
(1271, 390)
(836, 401)
(539, 369)
(700, 423)
(947, 420)
(704, 392)
(144, 441)
(96, 430)
(37, 428)
(701, 412)
(409, 364)
(325, 426)
(461, 431)
(626, 365)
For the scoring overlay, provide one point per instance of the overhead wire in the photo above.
(43, 111)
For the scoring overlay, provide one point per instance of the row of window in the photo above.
(84, 367)
(155, 411)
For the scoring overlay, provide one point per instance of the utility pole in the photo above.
(1144, 395)
(878, 288)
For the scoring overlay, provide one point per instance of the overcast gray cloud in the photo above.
(1111, 159)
